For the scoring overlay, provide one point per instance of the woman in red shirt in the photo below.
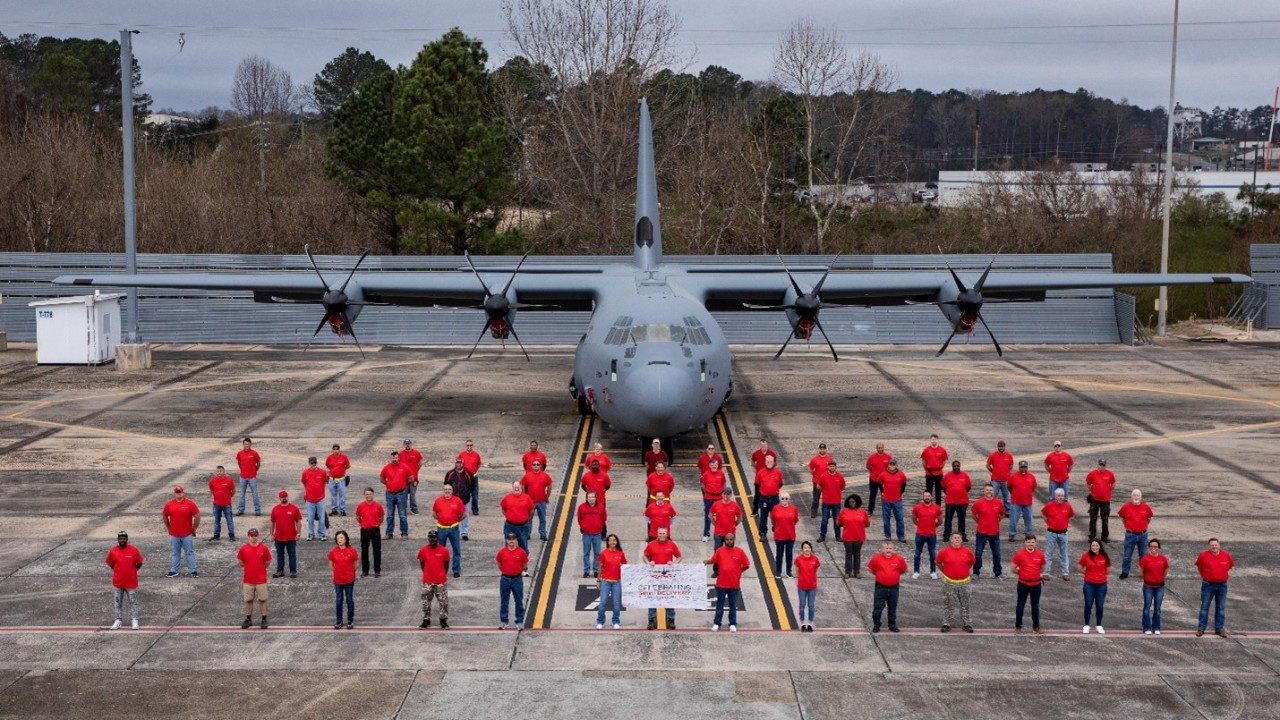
(1154, 565)
(853, 522)
(807, 568)
(1095, 564)
(343, 560)
(611, 561)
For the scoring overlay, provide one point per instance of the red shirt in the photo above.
(956, 487)
(529, 457)
(249, 462)
(888, 570)
(769, 481)
(313, 481)
(1153, 569)
(597, 482)
(512, 561)
(785, 518)
(659, 517)
(818, 466)
(1100, 481)
(591, 518)
(1136, 517)
(338, 464)
(704, 461)
(222, 487)
(449, 510)
(988, 514)
(181, 516)
(926, 516)
(1000, 465)
(725, 516)
(1215, 568)
(652, 458)
(1095, 567)
(729, 562)
(435, 564)
(661, 553)
(1030, 565)
(1059, 463)
(537, 485)
(344, 561)
(255, 558)
(412, 459)
(606, 463)
(876, 464)
(611, 562)
(1022, 487)
(712, 484)
(832, 485)
(284, 519)
(124, 563)
(370, 514)
(853, 525)
(1057, 515)
(807, 572)
(893, 483)
(758, 458)
(955, 562)
(934, 459)
(663, 483)
(470, 461)
(517, 508)
(395, 476)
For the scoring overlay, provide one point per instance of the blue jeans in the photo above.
(1095, 596)
(828, 511)
(315, 519)
(541, 509)
(726, 596)
(508, 588)
(290, 548)
(1152, 598)
(466, 521)
(338, 495)
(1133, 541)
(591, 553)
(249, 485)
(706, 517)
(807, 599)
(1217, 594)
(1054, 486)
(1016, 511)
(178, 545)
(1055, 546)
(930, 541)
(398, 500)
(521, 533)
(992, 541)
(609, 592)
(1001, 491)
(220, 512)
(452, 538)
(887, 509)
(345, 593)
(670, 612)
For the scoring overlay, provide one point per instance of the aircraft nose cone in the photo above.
(657, 392)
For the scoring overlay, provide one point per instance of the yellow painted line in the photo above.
(773, 592)
(560, 532)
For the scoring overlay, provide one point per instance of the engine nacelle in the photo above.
(803, 325)
(960, 320)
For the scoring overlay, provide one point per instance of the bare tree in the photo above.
(260, 89)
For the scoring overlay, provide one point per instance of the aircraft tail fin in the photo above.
(648, 225)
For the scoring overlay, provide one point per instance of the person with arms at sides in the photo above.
(661, 552)
(338, 464)
(831, 486)
(769, 481)
(1094, 564)
(658, 481)
(513, 568)
(1057, 521)
(987, 512)
(1022, 489)
(1000, 466)
(1101, 482)
(807, 565)
(817, 468)
(785, 518)
(1058, 464)
(517, 514)
(433, 558)
(591, 519)
(464, 485)
(314, 480)
(713, 486)
(707, 457)
(956, 562)
(254, 557)
(730, 562)
(449, 510)
(877, 463)
(926, 515)
(762, 452)
(934, 459)
(471, 462)
(955, 494)
(537, 483)
(412, 460)
(1154, 566)
(893, 485)
(533, 455)
(249, 462)
(222, 488)
(342, 561)
(286, 526)
(597, 454)
(659, 514)
(181, 519)
(1028, 565)
(370, 514)
(853, 522)
(887, 567)
(395, 478)
(596, 480)
(1215, 565)
(125, 561)
(725, 515)
(612, 558)
(654, 455)
(1136, 516)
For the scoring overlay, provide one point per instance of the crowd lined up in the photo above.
(1003, 504)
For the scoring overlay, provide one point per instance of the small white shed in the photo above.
(78, 330)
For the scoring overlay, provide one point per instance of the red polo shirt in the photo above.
(435, 564)
(955, 563)
(652, 458)
(758, 457)
(606, 463)
(314, 480)
(1095, 567)
(1059, 465)
(284, 519)
(1136, 517)
(661, 553)
(888, 570)
(704, 461)
(611, 562)
(818, 466)
(449, 510)
(659, 516)
(832, 485)
(249, 461)
(181, 516)
(529, 457)
(591, 518)
(395, 476)
(1154, 569)
(807, 572)
(537, 485)
(338, 464)
(413, 460)
(712, 484)
(597, 482)
(660, 483)
(470, 461)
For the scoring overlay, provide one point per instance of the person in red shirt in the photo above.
(707, 457)
(513, 567)
(286, 525)
(1215, 566)
(1028, 565)
(877, 463)
(853, 522)
(314, 480)
(987, 511)
(1057, 515)
(1000, 465)
(807, 565)
(1154, 566)
(726, 515)
(124, 560)
(612, 558)
(956, 562)
(1101, 482)
(955, 494)
(893, 484)
(713, 486)
(817, 468)
(934, 458)
(412, 460)
(537, 483)
(532, 455)
(394, 476)
(248, 462)
(449, 511)
(181, 519)
(1094, 564)
(337, 463)
(342, 561)
(591, 519)
(1136, 516)
(659, 552)
(464, 486)
(1058, 464)
(598, 454)
(758, 457)
(254, 557)
(517, 513)
(222, 487)
(831, 484)
(785, 518)
(887, 566)
(596, 480)
(433, 558)
(729, 562)
(370, 515)
(471, 462)
(654, 455)
(926, 515)
(769, 483)
(659, 513)
(658, 481)
(1022, 488)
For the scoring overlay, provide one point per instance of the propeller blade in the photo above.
(993, 335)
(818, 288)
(512, 329)
(476, 272)
(751, 306)
(351, 328)
(844, 305)
(818, 322)
(983, 280)
(790, 277)
(788, 342)
(363, 255)
(293, 301)
(916, 302)
(320, 327)
(515, 272)
(959, 282)
(315, 267)
(988, 301)
(948, 342)
(483, 330)
(354, 303)
(518, 306)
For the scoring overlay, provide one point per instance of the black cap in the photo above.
(312, 459)
(432, 534)
(822, 445)
(122, 534)
(1102, 461)
(512, 536)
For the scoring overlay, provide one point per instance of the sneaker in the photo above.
(586, 574)
(1157, 632)
(214, 538)
(1146, 632)
(426, 623)
(256, 512)
(115, 625)
(875, 628)
(310, 539)
(293, 575)
(789, 575)
(672, 626)
(1124, 576)
(1009, 539)
(135, 624)
(389, 537)
(543, 538)
(599, 626)
(595, 573)
(1100, 630)
(195, 574)
(715, 628)
(915, 576)
(413, 511)
(232, 538)
(263, 624)
(1066, 576)
(653, 625)
(894, 628)
(350, 625)
(616, 626)
(444, 624)
(277, 574)
(933, 576)
(240, 513)
(999, 577)
(503, 626)
(364, 574)
(946, 628)
(377, 573)
(248, 623)
(1085, 630)
(526, 573)
(968, 628)
(171, 574)
(705, 538)
(733, 628)
(337, 626)
(457, 574)
(465, 538)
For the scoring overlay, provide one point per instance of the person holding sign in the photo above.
(730, 562)
(662, 551)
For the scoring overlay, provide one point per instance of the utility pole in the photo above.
(977, 135)
(130, 222)
(1163, 312)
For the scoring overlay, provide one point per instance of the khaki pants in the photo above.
(441, 594)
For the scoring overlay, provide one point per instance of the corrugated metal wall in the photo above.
(203, 316)
(1264, 266)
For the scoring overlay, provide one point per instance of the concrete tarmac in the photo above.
(85, 452)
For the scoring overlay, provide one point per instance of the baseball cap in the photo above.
(1057, 443)
(1022, 463)
(253, 532)
(432, 533)
(512, 536)
(177, 489)
(408, 441)
(284, 493)
(822, 445)
(312, 459)
(122, 534)
(1102, 461)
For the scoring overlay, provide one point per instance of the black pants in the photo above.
(371, 536)
(852, 557)
(766, 505)
(755, 501)
(933, 484)
(957, 511)
(885, 596)
(782, 550)
(1097, 508)
(817, 500)
(873, 489)
(1025, 591)
(475, 494)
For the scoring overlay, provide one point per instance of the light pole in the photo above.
(1163, 312)
(130, 222)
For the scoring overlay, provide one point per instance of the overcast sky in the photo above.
(1227, 64)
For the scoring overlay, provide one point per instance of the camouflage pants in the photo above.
(441, 594)
(953, 594)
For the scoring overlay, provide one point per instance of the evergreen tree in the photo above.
(342, 76)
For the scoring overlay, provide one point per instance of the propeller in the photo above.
(497, 308)
(335, 302)
(807, 305)
(969, 303)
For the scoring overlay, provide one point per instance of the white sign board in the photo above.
(678, 585)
